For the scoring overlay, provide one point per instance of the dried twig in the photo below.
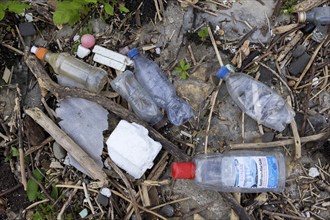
(309, 63)
(311, 138)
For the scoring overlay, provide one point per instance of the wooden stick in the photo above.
(284, 215)
(62, 92)
(307, 4)
(88, 198)
(68, 144)
(157, 9)
(306, 139)
(296, 137)
(192, 55)
(309, 63)
(216, 91)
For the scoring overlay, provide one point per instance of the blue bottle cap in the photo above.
(222, 72)
(132, 53)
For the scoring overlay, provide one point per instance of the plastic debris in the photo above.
(83, 52)
(106, 192)
(313, 172)
(83, 213)
(84, 121)
(134, 154)
(110, 58)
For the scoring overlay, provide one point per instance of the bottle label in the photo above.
(255, 172)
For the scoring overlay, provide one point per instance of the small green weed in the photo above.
(12, 6)
(182, 68)
(70, 11)
(287, 7)
(13, 153)
(204, 33)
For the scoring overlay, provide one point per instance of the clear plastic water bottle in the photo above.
(142, 104)
(154, 81)
(243, 171)
(257, 100)
(84, 75)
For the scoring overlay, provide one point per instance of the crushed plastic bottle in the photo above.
(154, 81)
(84, 75)
(243, 171)
(320, 17)
(257, 100)
(142, 104)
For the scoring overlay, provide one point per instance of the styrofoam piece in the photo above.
(106, 192)
(130, 147)
(111, 58)
(82, 52)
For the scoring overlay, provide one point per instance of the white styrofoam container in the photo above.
(130, 147)
(111, 58)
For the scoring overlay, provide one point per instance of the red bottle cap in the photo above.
(183, 170)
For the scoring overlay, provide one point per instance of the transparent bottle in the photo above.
(84, 75)
(257, 100)
(245, 171)
(154, 81)
(142, 104)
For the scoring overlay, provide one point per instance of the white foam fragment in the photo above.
(313, 172)
(82, 52)
(131, 148)
(84, 121)
(106, 192)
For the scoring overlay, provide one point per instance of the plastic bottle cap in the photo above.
(132, 53)
(183, 170)
(222, 72)
(39, 52)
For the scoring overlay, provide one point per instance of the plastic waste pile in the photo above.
(257, 100)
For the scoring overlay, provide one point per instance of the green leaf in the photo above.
(2, 14)
(60, 17)
(32, 190)
(122, 8)
(187, 66)
(108, 9)
(38, 175)
(184, 75)
(182, 63)
(14, 151)
(54, 193)
(178, 69)
(91, 1)
(17, 7)
(38, 216)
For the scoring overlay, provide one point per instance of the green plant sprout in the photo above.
(182, 68)
(70, 11)
(12, 6)
(287, 7)
(204, 33)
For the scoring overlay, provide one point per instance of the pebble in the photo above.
(59, 151)
(106, 192)
(167, 211)
(291, 83)
(102, 200)
(313, 172)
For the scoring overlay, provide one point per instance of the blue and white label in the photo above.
(255, 172)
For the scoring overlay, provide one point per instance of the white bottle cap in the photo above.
(34, 49)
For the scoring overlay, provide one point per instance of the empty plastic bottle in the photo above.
(257, 100)
(243, 171)
(142, 104)
(154, 81)
(84, 75)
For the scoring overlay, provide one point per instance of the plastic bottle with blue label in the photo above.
(157, 85)
(242, 171)
(142, 104)
(257, 100)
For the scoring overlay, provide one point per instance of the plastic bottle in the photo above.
(318, 16)
(154, 81)
(243, 171)
(142, 104)
(257, 100)
(89, 77)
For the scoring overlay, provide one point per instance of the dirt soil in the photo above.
(256, 37)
